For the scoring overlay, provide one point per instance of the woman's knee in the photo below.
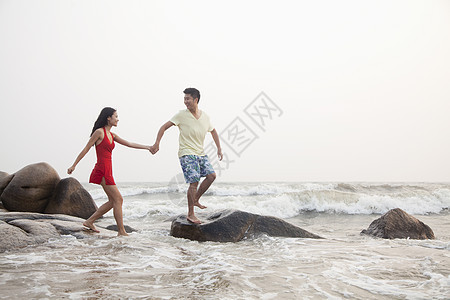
(115, 200)
(114, 195)
(118, 200)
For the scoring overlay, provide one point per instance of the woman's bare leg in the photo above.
(97, 214)
(115, 197)
(89, 223)
(115, 202)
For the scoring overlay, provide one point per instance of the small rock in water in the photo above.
(397, 224)
(128, 229)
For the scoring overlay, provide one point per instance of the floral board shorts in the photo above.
(194, 167)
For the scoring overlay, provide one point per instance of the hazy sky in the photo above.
(359, 90)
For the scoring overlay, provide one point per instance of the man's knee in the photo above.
(193, 185)
(211, 176)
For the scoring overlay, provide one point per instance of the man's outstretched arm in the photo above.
(155, 147)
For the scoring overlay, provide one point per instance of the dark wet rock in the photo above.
(21, 229)
(128, 229)
(233, 226)
(71, 198)
(29, 189)
(397, 224)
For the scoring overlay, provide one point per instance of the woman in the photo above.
(104, 139)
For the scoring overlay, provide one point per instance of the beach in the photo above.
(151, 264)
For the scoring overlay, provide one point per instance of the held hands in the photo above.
(155, 148)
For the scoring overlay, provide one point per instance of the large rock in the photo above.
(19, 230)
(3, 175)
(30, 188)
(71, 198)
(5, 179)
(233, 226)
(397, 224)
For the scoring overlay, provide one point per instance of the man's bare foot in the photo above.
(91, 226)
(199, 205)
(193, 219)
(122, 234)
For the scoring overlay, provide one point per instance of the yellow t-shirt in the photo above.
(192, 132)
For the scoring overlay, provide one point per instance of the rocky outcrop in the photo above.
(19, 230)
(29, 189)
(70, 198)
(13, 237)
(38, 188)
(397, 224)
(233, 226)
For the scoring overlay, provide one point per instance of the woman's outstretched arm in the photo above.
(94, 138)
(129, 144)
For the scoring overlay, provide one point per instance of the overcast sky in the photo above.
(352, 90)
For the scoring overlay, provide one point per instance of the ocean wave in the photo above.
(129, 191)
(287, 200)
(224, 189)
(290, 200)
(288, 206)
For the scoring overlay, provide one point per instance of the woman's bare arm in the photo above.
(97, 135)
(129, 144)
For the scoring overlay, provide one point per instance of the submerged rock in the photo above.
(71, 198)
(233, 226)
(397, 224)
(128, 229)
(29, 189)
(19, 230)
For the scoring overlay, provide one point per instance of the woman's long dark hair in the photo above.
(102, 119)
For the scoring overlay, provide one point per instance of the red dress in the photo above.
(103, 167)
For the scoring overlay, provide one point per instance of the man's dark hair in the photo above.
(193, 92)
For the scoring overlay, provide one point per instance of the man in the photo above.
(193, 125)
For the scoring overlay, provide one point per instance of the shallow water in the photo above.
(150, 264)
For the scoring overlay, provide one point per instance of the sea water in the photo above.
(150, 264)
